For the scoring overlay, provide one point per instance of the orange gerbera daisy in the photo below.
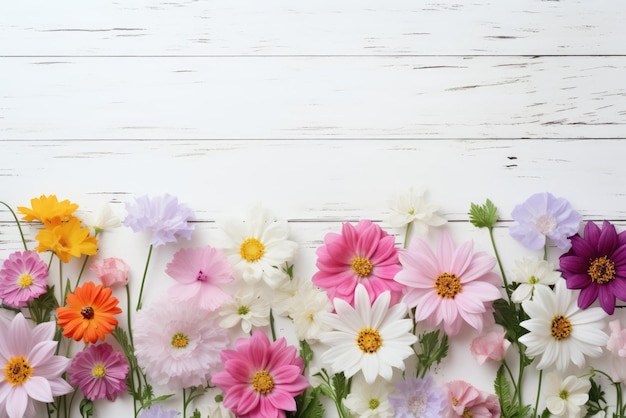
(48, 210)
(67, 239)
(89, 313)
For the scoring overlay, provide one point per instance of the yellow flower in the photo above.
(48, 210)
(67, 240)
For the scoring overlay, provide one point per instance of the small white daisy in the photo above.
(559, 331)
(246, 308)
(369, 400)
(371, 338)
(257, 247)
(411, 206)
(305, 309)
(566, 397)
(530, 273)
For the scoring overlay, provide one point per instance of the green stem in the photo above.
(272, 325)
(17, 222)
(545, 252)
(184, 403)
(62, 290)
(538, 393)
(406, 235)
(81, 271)
(495, 250)
(130, 329)
(508, 369)
(143, 279)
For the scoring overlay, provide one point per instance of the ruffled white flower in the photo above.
(369, 400)
(306, 309)
(258, 247)
(560, 332)
(103, 219)
(530, 273)
(246, 308)
(372, 338)
(282, 296)
(566, 397)
(411, 206)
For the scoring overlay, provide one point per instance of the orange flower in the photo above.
(67, 240)
(89, 313)
(48, 210)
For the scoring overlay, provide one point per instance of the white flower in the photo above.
(371, 338)
(246, 308)
(369, 400)
(559, 331)
(531, 273)
(565, 397)
(283, 295)
(412, 207)
(102, 220)
(305, 309)
(216, 408)
(258, 247)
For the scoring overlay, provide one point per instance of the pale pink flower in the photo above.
(111, 271)
(199, 273)
(617, 347)
(464, 400)
(490, 346)
(453, 286)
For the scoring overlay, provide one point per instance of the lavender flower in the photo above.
(544, 215)
(155, 411)
(418, 398)
(163, 216)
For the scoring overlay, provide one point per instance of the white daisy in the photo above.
(369, 400)
(530, 273)
(371, 338)
(245, 308)
(412, 207)
(566, 397)
(305, 309)
(559, 331)
(258, 247)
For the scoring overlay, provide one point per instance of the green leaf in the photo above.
(306, 353)
(433, 349)
(308, 404)
(42, 307)
(507, 314)
(86, 408)
(196, 414)
(483, 216)
(596, 402)
(503, 391)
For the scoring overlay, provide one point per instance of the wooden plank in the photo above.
(324, 27)
(305, 97)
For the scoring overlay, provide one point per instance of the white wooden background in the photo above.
(319, 110)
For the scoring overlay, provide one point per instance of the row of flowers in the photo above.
(372, 322)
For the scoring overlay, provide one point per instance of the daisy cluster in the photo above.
(371, 325)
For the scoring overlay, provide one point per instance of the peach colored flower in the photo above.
(111, 271)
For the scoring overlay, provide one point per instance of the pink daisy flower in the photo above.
(99, 372)
(363, 254)
(22, 278)
(261, 379)
(199, 272)
(450, 287)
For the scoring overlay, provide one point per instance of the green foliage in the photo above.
(509, 405)
(196, 414)
(596, 402)
(509, 315)
(42, 307)
(308, 404)
(86, 408)
(433, 350)
(306, 353)
(288, 269)
(483, 216)
(335, 388)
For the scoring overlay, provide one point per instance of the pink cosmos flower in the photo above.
(99, 372)
(199, 272)
(490, 346)
(22, 278)
(450, 287)
(31, 370)
(111, 271)
(363, 254)
(467, 401)
(261, 379)
(617, 347)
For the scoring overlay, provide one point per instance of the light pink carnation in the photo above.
(464, 400)
(111, 271)
(490, 346)
(617, 347)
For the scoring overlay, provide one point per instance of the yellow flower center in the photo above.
(180, 340)
(447, 285)
(87, 312)
(252, 250)
(467, 413)
(99, 371)
(561, 327)
(362, 266)
(374, 403)
(601, 270)
(262, 382)
(369, 340)
(17, 371)
(25, 280)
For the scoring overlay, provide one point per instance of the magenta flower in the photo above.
(261, 379)
(199, 273)
(596, 264)
(450, 287)
(31, 370)
(363, 254)
(544, 215)
(99, 372)
(464, 400)
(111, 271)
(22, 278)
(162, 216)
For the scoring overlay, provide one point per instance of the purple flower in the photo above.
(544, 215)
(22, 278)
(596, 264)
(418, 398)
(155, 411)
(163, 216)
(99, 372)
